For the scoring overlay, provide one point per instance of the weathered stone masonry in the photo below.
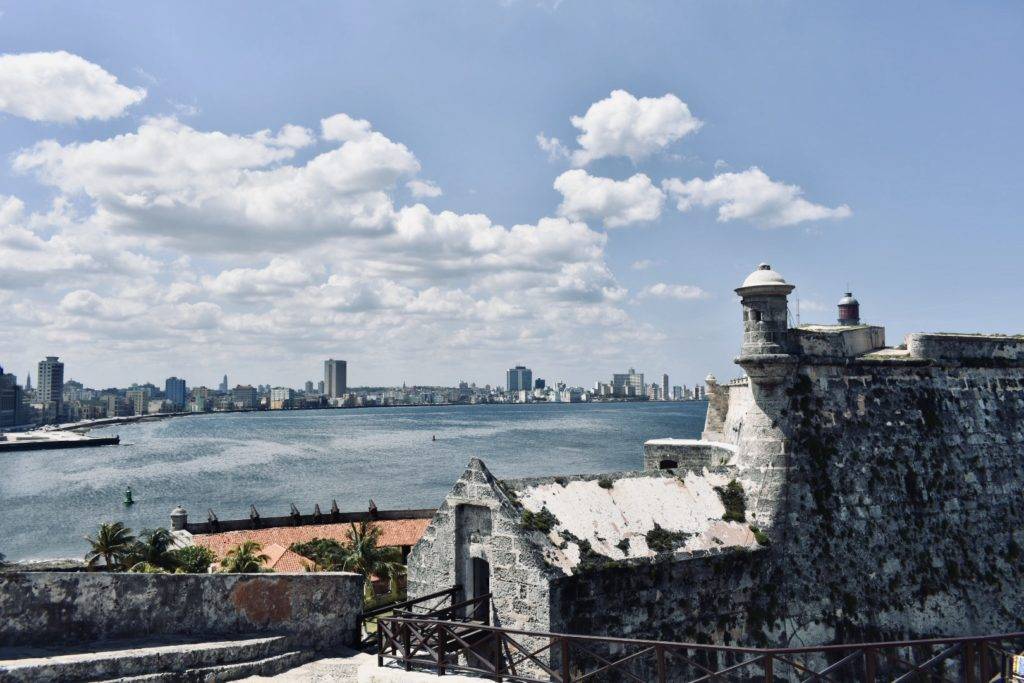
(885, 487)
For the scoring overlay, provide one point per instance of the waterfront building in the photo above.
(335, 378)
(664, 388)
(281, 398)
(538, 383)
(677, 393)
(158, 405)
(12, 401)
(224, 385)
(138, 400)
(519, 378)
(175, 392)
(50, 392)
(629, 384)
(245, 397)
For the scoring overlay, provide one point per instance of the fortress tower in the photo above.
(765, 354)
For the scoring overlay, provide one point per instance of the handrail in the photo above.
(722, 648)
(408, 603)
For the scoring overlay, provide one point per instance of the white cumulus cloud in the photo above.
(662, 290)
(624, 125)
(751, 195)
(616, 203)
(423, 188)
(61, 87)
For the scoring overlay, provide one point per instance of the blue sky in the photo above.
(158, 260)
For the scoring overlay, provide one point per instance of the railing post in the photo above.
(983, 662)
(496, 658)
(967, 662)
(380, 645)
(769, 675)
(442, 646)
(405, 646)
(659, 653)
(566, 675)
(870, 664)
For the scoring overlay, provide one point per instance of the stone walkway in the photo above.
(341, 669)
(354, 667)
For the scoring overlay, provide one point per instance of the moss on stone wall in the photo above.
(734, 500)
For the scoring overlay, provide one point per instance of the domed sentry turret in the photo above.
(764, 297)
(765, 351)
(849, 310)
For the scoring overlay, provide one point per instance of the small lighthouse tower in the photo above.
(764, 296)
(849, 310)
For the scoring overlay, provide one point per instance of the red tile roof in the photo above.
(394, 532)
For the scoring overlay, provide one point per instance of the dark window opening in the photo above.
(668, 465)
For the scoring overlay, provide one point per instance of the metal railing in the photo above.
(464, 646)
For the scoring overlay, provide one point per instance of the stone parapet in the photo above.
(967, 348)
(686, 455)
(320, 610)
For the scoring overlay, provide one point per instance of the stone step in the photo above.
(141, 658)
(267, 666)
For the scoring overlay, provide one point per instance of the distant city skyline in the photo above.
(410, 193)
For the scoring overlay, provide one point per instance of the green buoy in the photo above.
(128, 496)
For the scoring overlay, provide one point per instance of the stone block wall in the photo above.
(967, 348)
(688, 455)
(890, 493)
(519, 574)
(320, 610)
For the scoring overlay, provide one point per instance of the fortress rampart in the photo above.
(842, 491)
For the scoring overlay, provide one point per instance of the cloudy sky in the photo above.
(437, 191)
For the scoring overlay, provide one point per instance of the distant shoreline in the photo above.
(129, 419)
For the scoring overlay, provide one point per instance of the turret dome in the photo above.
(764, 275)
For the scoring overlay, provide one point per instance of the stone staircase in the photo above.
(153, 659)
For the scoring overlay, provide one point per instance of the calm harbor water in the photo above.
(50, 499)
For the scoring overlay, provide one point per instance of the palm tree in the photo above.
(154, 548)
(365, 556)
(112, 543)
(245, 558)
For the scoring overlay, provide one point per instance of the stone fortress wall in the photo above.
(884, 488)
(319, 610)
(890, 483)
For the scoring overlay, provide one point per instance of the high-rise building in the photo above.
(538, 383)
(335, 378)
(50, 377)
(309, 386)
(245, 396)
(320, 387)
(28, 381)
(175, 392)
(664, 387)
(519, 378)
(677, 393)
(628, 384)
(224, 385)
(138, 400)
(12, 401)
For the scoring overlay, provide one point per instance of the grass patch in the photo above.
(664, 541)
(542, 521)
(760, 536)
(734, 500)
